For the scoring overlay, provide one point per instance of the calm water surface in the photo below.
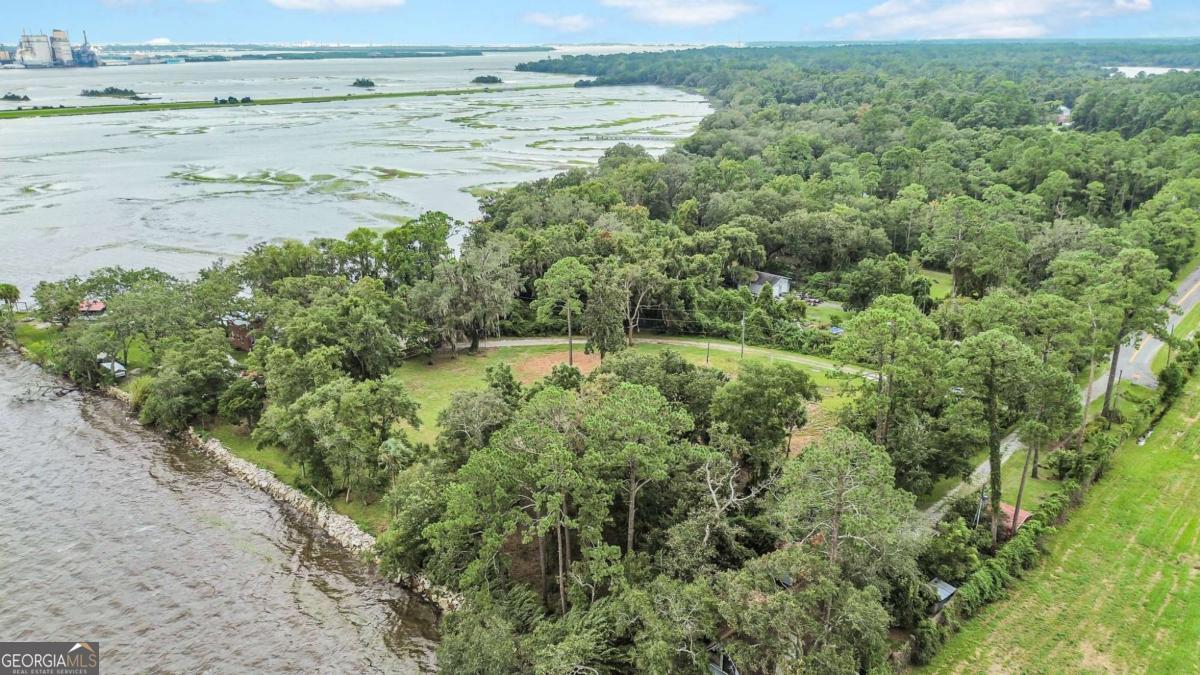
(178, 189)
(108, 533)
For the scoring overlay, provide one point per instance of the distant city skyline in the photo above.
(593, 21)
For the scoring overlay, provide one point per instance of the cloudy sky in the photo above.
(585, 21)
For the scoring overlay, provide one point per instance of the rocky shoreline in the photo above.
(338, 527)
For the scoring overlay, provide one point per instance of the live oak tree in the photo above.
(58, 301)
(195, 371)
(559, 292)
(765, 405)
(467, 424)
(604, 315)
(352, 421)
(480, 287)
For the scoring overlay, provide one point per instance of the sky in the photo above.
(495, 22)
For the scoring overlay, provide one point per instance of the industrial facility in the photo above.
(51, 51)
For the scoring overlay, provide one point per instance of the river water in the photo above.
(109, 533)
(177, 189)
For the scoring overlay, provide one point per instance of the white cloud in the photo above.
(564, 23)
(160, 42)
(683, 12)
(979, 18)
(335, 5)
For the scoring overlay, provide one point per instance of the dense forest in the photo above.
(653, 515)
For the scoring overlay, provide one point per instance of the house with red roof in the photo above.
(92, 308)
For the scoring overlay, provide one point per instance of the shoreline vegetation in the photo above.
(192, 105)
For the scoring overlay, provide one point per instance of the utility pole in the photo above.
(743, 336)
(707, 348)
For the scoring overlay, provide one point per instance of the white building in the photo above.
(60, 48)
(35, 52)
(779, 285)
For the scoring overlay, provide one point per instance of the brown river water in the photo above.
(108, 532)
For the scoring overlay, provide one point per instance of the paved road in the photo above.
(1137, 362)
(1134, 365)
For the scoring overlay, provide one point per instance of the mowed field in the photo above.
(433, 385)
(1120, 588)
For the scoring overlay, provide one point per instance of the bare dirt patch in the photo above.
(534, 368)
(1095, 660)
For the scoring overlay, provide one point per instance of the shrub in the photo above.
(929, 640)
(139, 389)
(242, 401)
(951, 554)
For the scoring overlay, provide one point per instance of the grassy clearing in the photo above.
(433, 385)
(1036, 489)
(827, 315)
(193, 105)
(941, 283)
(1120, 588)
(37, 339)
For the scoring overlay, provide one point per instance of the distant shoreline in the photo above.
(190, 105)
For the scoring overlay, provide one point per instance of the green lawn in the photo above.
(35, 339)
(1120, 588)
(433, 386)
(1035, 489)
(371, 517)
(941, 283)
(826, 315)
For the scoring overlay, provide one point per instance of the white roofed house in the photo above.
(779, 285)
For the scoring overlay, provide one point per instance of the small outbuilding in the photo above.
(1006, 519)
(92, 308)
(944, 592)
(779, 285)
(112, 365)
